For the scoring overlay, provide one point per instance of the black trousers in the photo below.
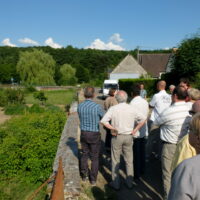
(90, 144)
(139, 156)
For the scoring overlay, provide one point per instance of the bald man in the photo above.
(159, 102)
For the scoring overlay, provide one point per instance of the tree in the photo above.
(187, 59)
(82, 74)
(36, 68)
(67, 75)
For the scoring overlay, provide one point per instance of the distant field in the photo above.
(54, 97)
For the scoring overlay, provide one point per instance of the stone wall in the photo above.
(68, 151)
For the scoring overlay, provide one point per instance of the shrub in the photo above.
(149, 84)
(14, 96)
(28, 145)
(40, 96)
(36, 108)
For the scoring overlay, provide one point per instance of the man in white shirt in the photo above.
(174, 124)
(123, 117)
(159, 102)
(140, 137)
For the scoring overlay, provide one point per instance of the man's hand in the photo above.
(113, 132)
(134, 131)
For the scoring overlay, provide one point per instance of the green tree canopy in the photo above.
(36, 68)
(187, 59)
(67, 75)
(82, 74)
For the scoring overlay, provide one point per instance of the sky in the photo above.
(98, 24)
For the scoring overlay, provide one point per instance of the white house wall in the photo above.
(116, 76)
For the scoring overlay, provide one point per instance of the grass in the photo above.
(54, 97)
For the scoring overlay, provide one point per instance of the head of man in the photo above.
(161, 85)
(171, 88)
(112, 92)
(195, 108)
(89, 92)
(135, 90)
(179, 94)
(193, 94)
(121, 96)
(184, 82)
(141, 86)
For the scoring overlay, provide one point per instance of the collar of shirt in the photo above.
(179, 103)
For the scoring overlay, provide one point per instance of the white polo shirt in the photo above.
(143, 107)
(123, 117)
(174, 122)
(160, 101)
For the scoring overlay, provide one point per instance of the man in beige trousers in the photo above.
(123, 118)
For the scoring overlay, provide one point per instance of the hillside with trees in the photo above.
(88, 65)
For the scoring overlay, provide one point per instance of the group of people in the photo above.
(173, 123)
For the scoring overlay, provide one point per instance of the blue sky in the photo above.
(101, 24)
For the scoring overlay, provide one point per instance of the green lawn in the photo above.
(54, 97)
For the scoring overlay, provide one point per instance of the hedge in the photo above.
(149, 85)
(28, 145)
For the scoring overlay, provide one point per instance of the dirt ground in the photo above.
(3, 117)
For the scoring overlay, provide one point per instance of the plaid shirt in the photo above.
(90, 113)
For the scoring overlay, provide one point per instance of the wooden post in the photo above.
(58, 188)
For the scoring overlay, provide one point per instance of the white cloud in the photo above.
(116, 38)
(166, 48)
(51, 43)
(28, 41)
(7, 42)
(98, 44)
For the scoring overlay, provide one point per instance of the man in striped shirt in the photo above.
(174, 124)
(90, 114)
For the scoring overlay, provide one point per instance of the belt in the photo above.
(164, 142)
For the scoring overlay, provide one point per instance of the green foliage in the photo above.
(82, 74)
(67, 75)
(11, 96)
(40, 96)
(14, 96)
(15, 109)
(3, 99)
(187, 58)
(36, 68)
(30, 89)
(149, 84)
(28, 145)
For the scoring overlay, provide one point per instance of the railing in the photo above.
(58, 188)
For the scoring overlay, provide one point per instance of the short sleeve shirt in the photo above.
(159, 102)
